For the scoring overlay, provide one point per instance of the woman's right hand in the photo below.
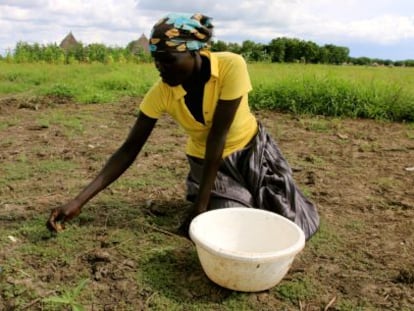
(60, 215)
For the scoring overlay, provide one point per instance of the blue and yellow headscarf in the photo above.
(180, 32)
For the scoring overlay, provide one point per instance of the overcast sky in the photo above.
(373, 28)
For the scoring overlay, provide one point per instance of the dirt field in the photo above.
(360, 173)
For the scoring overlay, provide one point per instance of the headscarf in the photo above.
(180, 32)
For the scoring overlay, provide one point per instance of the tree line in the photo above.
(79, 53)
(292, 50)
(279, 50)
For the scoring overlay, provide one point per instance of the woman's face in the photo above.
(174, 67)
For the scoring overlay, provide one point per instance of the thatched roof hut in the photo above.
(68, 42)
(142, 44)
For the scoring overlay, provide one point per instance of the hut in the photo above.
(142, 44)
(68, 42)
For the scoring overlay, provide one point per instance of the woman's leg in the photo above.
(217, 203)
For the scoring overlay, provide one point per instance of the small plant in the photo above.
(297, 289)
(60, 90)
(69, 297)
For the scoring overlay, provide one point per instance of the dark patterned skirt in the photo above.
(257, 176)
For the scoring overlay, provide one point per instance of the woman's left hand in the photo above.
(196, 209)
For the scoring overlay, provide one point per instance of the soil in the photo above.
(359, 173)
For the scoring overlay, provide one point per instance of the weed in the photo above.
(97, 97)
(130, 183)
(345, 305)
(69, 297)
(116, 84)
(311, 161)
(23, 170)
(14, 172)
(410, 130)
(326, 240)
(50, 166)
(297, 290)
(355, 225)
(11, 121)
(160, 177)
(60, 90)
(71, 124)
(316, 125)
(385, 184)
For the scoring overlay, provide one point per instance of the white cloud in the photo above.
(23, 3)
(386, 29)
(382, 30)
(346, 22)
(13, 13)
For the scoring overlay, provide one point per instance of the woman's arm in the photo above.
(222, 120)
(115, 166)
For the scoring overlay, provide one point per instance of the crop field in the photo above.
(347, 132)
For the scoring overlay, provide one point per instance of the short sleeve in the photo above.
(236, 79)
(154, 101)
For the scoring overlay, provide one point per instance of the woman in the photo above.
(232, 159)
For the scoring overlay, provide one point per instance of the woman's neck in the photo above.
(196, 77)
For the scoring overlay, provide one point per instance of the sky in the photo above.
(381, 29)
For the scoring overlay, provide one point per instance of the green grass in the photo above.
(326, 240)
(297, 290)
(320, 125)
(70, 124)
(410, 131)
(165, 265)
(97, 83)
(69, 297)
(11, 121)
(161, 177)
(35, 243)
(167, 275)
(22, 170)
(343, 91)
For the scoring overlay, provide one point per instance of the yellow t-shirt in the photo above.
(229, 80)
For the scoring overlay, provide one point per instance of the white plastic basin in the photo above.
(245, 249)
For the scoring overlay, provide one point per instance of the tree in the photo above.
(252, 51)
(219, 46)
(323, 55)
(234, 47)
(337, 54)
(361, 61)
(309, 51)
(97, 52)
(292, 50)
(276, 49)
